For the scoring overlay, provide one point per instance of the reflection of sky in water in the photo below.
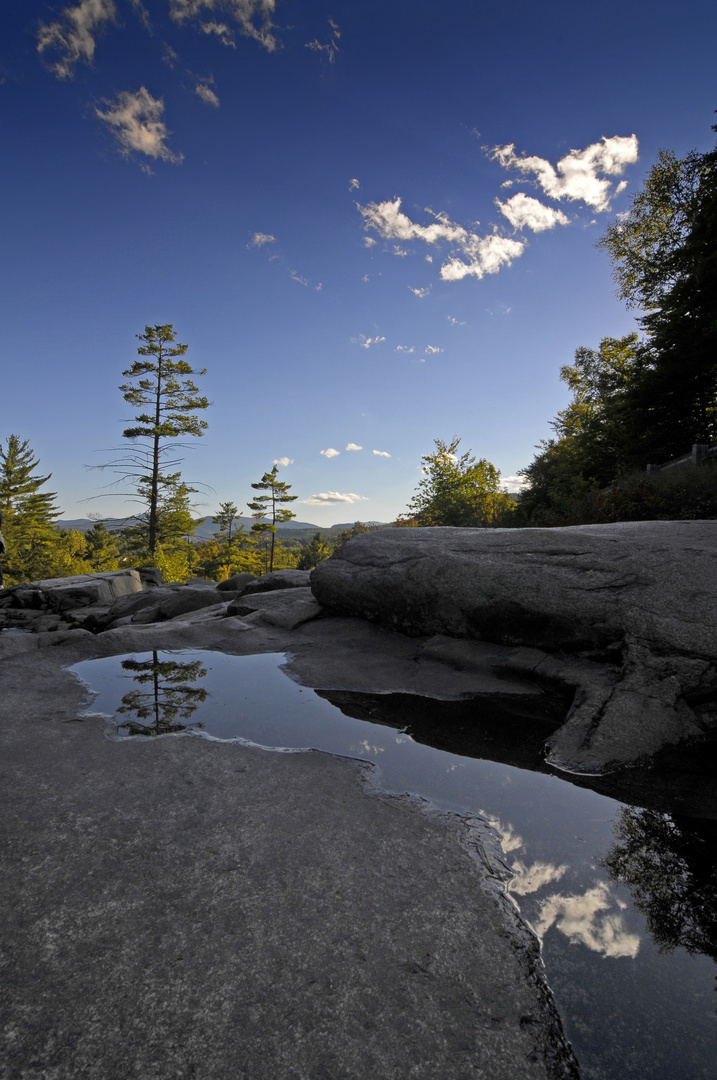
(552, 835)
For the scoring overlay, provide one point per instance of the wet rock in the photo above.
(641, 592)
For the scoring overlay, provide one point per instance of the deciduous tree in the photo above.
(457, 490)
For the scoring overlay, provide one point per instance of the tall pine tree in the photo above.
(28, 514)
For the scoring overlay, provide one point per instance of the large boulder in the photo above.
(86, 590)
(638, 597)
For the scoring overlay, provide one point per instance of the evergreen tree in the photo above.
(269, 509)
(313, 553)
(28, 514)
(102, 550)
(159, 384)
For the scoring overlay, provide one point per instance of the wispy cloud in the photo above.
(481, 255)
(169, 56)
(367, 342)
(455, 322)
(284, 461)
(581, 175)
(136, 121)
(142, 15)
(431, 350)
(296, 277)
(405, 348)
(206, 94)
(330, 47)
(252, 17)
(353, 446)
(329, 498)
(421, 293)
(380, 453)
(524, 211)
(330, 452)
(354, 185)
(73, 35)
(369, 242)
(260, 238)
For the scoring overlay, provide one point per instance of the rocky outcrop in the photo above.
(633, 605)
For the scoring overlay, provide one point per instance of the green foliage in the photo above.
(102, 548)
(678, 494)
(173, 525)
(640, 402)
(313, 553)
(160, 386)
(457, 490)
(28, 515)
(267, 510)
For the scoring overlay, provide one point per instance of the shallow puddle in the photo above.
(631, 1011)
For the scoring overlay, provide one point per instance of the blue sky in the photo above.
(373, 223)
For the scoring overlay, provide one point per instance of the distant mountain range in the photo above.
(206, 531)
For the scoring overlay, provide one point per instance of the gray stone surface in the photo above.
(641, 596)
(280, 579)
(85, 589)
(288, 607)
(182, 907)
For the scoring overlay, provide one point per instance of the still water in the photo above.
(636, 991)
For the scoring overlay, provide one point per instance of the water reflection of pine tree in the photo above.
(166, 698)
(668, 863)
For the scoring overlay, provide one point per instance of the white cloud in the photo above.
(380, 453)
(74, 34)
(431, 350)
(485, 255)
(577, 175)
(421, 293)
(528, 879)
(328, 498)
(206, 94)
(522, 210)
(283, 461)
(318, 288)
(405, 348)
(401, 252)
(136, 120)
(369, 242)
(513, 483)
(253, 17)
(354, 185)
(329, 47)
(365, 278)
(367, 342)
(295, 277)
(353, 446)
(480, 254)
(454, 322)
(169, 56)
(330, 452)
(260, 238)
(587, 920)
